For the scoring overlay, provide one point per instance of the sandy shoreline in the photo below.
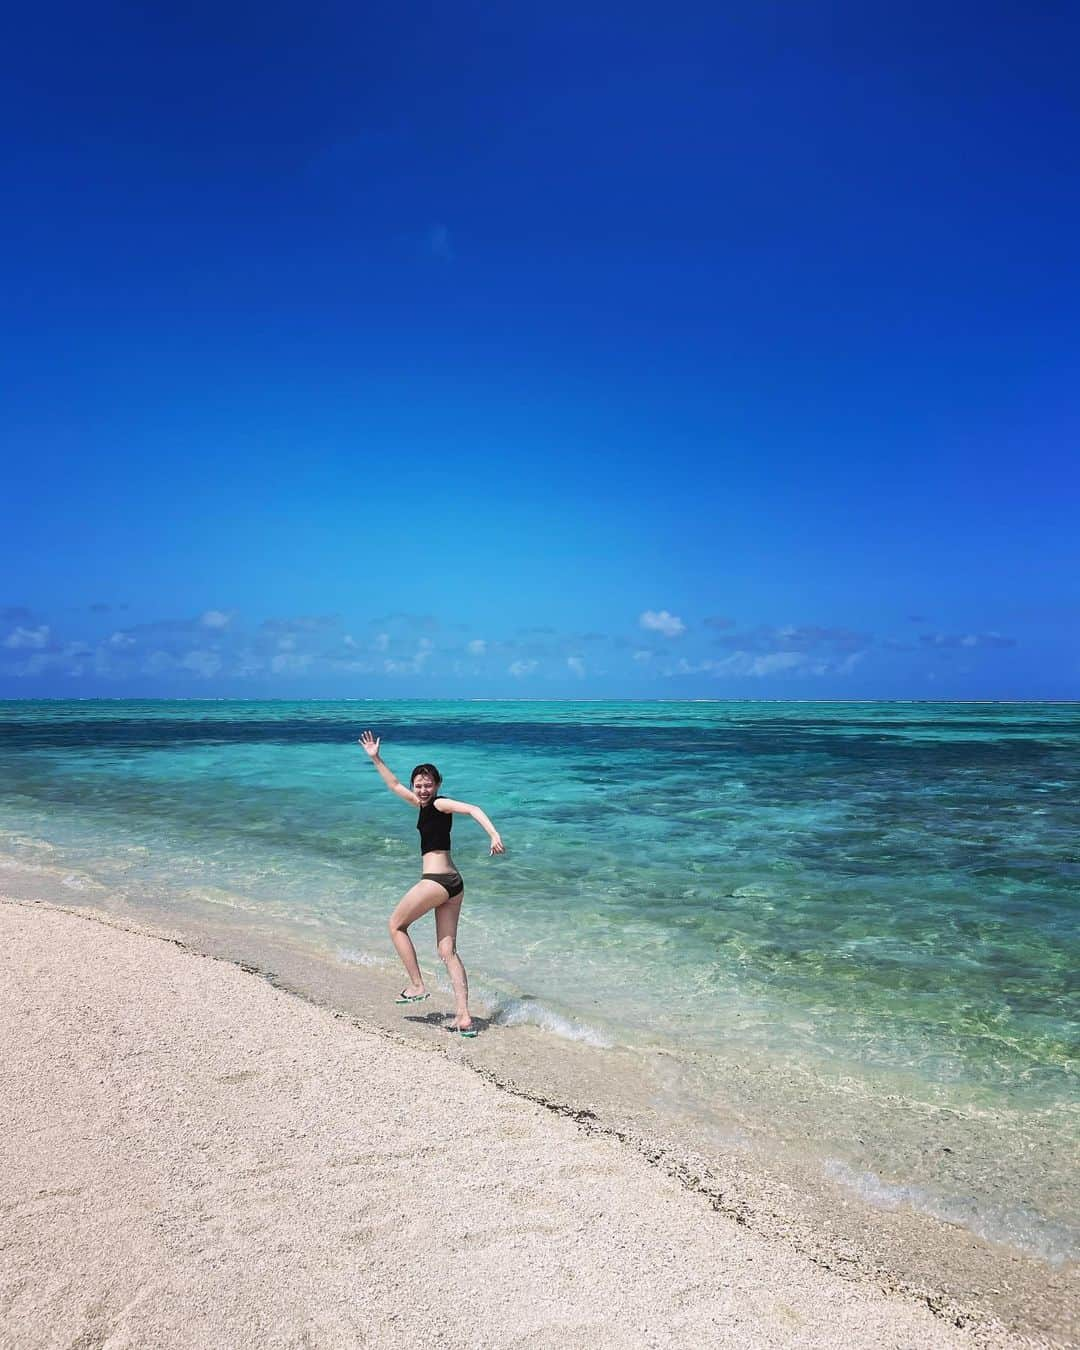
(197, 1158)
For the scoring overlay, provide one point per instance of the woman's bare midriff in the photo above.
(437, 861)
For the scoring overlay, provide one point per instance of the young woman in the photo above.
(440, 886)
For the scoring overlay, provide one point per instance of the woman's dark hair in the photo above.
(429, 770)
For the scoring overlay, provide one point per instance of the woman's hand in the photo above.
(371, 744)
(497, 845)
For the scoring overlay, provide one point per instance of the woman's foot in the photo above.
(464, 1024)
(412, 993)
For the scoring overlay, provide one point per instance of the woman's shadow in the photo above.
(440, 1021)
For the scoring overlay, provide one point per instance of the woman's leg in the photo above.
(446, 922)
(413, 904)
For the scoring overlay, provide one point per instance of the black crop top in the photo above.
(434, 827)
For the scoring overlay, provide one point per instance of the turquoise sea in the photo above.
(870, 908)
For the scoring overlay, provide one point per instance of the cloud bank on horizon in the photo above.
(407, 655)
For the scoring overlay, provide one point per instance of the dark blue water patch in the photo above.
(695, 743)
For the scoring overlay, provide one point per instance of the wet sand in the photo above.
(197, 1157)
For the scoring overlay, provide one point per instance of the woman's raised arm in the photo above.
(371, 745)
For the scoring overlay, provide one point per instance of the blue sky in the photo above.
(665, 351)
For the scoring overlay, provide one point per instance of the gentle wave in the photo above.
(503, 1010)
(525, 1011)
(1011, 1225)
(352, 957)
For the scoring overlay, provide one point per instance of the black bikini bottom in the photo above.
(451, 882)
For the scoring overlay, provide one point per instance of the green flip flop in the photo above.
(403, 997)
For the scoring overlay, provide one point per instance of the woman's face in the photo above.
(424, 787)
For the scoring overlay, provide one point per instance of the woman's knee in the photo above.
(396, 925)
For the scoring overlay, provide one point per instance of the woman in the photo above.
(440, 886)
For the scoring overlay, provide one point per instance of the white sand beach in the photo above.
(193, 1157)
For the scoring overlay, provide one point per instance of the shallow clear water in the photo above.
(871, 903)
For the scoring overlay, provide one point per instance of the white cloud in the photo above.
(382, 641)
(349, 640)
(33, 639)
(300, 623)
(773, 662)
(121, 640)
(769, 663)
(290, 663)
(68, 660)
(661, 621)
(685, 667)
(159, 663)
(415, 665)
(286, 644)
(577, 665)
(762, 664)
(247, 663)
(520, 668)
(202, 663)
(643, 655)
(477, 647)
(992, 639)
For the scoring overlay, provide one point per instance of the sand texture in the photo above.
(192, 1157)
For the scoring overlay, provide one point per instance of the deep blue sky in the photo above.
(588, 350)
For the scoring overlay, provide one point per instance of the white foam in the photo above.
(353, 957)
(28, 841)
(1011, 1225)
(36, 869)
(215, 895)
(517, 1012)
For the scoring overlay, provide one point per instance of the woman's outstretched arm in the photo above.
(451, 807)
(371, 745)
